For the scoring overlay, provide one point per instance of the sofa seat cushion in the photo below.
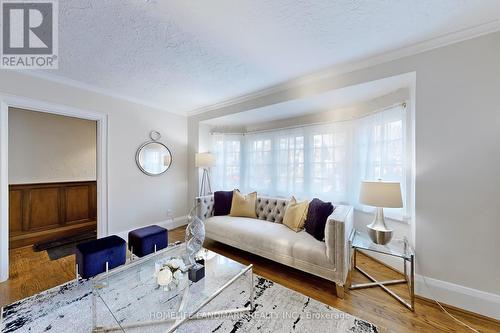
(251, 233)
(308, 249)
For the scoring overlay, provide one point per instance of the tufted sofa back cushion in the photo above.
(271, 209)
(204, 206)
(268, 209)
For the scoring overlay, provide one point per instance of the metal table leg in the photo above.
(410, 281)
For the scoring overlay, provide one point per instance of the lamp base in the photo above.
(206, 187)
(377, 230)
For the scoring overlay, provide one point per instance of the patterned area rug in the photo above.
(67, 308)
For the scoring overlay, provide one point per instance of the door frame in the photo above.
(7, 101)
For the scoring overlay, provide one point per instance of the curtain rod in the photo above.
(369, 113)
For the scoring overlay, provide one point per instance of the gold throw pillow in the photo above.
(295, 214)
(243, 205)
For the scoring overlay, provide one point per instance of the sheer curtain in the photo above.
(327, 161)
(290, 163)
(259, 164)
(381, 152)
(227, 173)
(274, 163)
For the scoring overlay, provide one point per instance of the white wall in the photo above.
(457, 121)
(134, 198)
(205, 140)
(45, 148)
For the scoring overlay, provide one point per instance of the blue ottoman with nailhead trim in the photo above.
(92, 256)
(142, 241)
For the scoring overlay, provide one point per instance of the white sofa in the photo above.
(269, 238)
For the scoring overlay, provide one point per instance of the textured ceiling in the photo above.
(182, 55)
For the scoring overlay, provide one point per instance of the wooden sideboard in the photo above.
(39, 212)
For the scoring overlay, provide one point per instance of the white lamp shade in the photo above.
(381, 194)
(204, 160)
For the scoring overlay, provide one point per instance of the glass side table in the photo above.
(396, 248)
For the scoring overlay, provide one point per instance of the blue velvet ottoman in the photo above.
(141, 242)
(91, 257)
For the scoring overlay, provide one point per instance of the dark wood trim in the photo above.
(49, 184)
(45, 208)
(29, 239)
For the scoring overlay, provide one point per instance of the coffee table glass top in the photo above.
(128, 298)
(396, 247)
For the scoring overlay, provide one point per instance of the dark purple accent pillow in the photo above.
(317, 214)
(222, 202)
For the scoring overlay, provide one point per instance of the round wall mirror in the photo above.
(153, 157)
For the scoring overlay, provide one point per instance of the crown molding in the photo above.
(410, 50)
(95, 89)
(427, 45)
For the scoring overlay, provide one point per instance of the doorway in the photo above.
(52, 183)
(8, 102)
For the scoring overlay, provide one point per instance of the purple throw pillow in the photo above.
(317, 214)
(222, 202)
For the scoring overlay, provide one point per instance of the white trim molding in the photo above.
(4, 192)
(410, 50)
(473, 300)
(7, 101)
(167, 224)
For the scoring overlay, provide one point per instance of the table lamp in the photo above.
(380, 194)
(205, 161)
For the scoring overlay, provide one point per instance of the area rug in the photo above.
(67, 308)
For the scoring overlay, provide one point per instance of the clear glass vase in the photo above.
(195, 236)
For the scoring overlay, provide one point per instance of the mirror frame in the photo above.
(138, 153)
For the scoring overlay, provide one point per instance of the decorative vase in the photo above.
(195, 236)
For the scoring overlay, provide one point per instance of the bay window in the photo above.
(327, 161)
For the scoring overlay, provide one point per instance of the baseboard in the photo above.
(450, 294)
(167, 224)
(175, 223)
(473, 300)
(455, 309)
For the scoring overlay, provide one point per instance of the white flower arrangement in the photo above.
(170, 275)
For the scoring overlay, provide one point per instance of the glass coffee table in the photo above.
(128, 298)
(398, 248)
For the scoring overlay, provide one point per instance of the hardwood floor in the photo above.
(32, 272)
